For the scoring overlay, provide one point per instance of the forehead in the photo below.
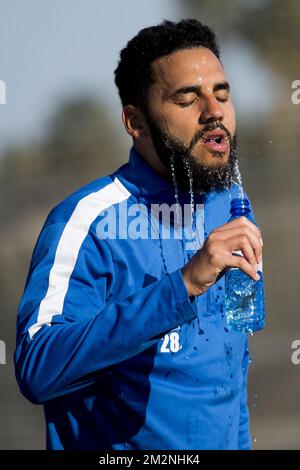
(186, 67)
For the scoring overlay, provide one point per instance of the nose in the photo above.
(211, 111)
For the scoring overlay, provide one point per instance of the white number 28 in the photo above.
(171, 342)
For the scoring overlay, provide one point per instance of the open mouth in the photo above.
(216, 140)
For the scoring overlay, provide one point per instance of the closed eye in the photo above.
(189, 103)
(223, 100)
(184, 105)
(222, 97)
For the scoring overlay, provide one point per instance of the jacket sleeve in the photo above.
(244, 426)
(69, 326)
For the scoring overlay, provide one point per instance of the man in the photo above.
(121, 330)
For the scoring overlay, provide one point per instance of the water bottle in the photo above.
(244, 297)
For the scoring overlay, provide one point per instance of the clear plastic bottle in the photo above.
(244, 297)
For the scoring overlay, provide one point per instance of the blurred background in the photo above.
(61, 128)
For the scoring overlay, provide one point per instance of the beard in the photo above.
(184, 167)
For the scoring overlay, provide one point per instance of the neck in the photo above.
(153, 160)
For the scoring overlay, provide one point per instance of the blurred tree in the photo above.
(81, 144)
(272, 26)
(81, 139)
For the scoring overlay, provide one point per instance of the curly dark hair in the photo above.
(134, 74)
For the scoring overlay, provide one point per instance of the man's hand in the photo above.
(211, 262)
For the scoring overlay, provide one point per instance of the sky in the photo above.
(52, 50)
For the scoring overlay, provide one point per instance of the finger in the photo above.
(244, 232)
(240, 262)
(242, 243)
(241, 221)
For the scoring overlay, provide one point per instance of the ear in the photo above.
(134, 122)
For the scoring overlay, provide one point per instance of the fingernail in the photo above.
(261, 241)
(257, 277)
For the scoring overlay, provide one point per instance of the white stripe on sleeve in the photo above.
(74, 233)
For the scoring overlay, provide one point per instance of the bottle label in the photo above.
(239, 253)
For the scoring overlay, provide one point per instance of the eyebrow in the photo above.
(197, 89)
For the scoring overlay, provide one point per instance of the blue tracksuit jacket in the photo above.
(108, 339)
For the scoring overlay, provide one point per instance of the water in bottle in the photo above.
(244, 297)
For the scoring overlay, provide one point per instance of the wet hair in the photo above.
(134, 74)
